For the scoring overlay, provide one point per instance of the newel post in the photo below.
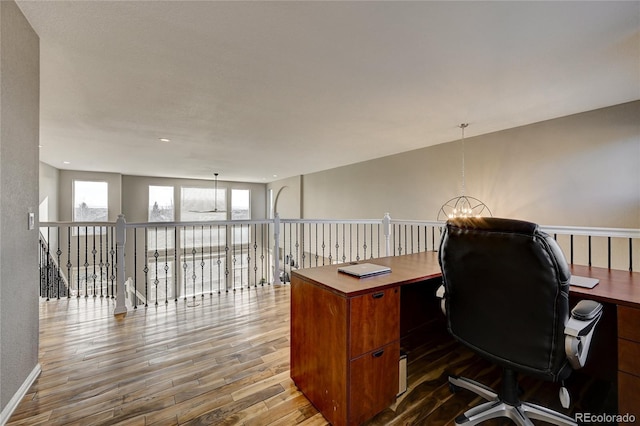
(121, 236)
(276, 249)
(386, 226)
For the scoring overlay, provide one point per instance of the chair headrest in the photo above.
(495, 224)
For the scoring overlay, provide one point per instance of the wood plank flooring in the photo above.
(224, 360)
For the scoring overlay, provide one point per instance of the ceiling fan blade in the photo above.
(215, 199)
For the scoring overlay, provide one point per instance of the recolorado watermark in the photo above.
(604, 418)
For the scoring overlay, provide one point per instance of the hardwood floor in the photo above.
(224, 359)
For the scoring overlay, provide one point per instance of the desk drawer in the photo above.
(373, 382)
(629, 356)
(629, 323)
(628, 391)
(374, 320)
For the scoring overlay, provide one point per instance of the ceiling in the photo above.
(259, 91)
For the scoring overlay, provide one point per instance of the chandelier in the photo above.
(463, 205)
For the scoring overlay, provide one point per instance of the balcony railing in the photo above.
(155, 263)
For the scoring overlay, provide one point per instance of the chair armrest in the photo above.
(579, 331)
(441, 294)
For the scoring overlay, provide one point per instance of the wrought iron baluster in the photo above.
(146, 268)
(106, 262)
(433, 238)
(156, 255)
(316, 248)
(262, 239)
(233, 256)
(364, 236)
(357, 242)
(58, 275)
(589, 249)
(255, 252)
(219, 259)
(47, 266)
(210, 260)
(166, 265)
(175, 268)
(323, 245)
(412, 237)
(194, 251)
(202, 260)
(630, 254)
(350, 242)
(303, 235)
(407, 238)
(330, 246)
(571, 247)
(113, 263)
(248, 256)
(78, 285)
(93, 252)
(184, 262)
(135, 268)
(102, 232)
(226, 258)
(344, 256)
(297, 245)
(609, 252)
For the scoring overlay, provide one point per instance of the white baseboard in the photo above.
(17, 397)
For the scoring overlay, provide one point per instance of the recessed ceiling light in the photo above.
(66, 162)
(165, 140)
(39, 146)
(275, 175)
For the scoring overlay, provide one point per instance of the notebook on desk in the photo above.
(362, 270)
(583, 281)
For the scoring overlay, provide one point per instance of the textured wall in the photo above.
(581, 170)
(19, 127)
(49, 182)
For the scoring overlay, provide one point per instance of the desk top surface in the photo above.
(405, 269)
(616, 286)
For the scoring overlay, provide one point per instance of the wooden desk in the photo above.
(345, 333)
(622, 289)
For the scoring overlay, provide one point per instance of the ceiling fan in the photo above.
(215, 195)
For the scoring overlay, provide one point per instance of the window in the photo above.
(161, 203)
(240, 205)
(203, 204)
(160, 241)
(90, 201)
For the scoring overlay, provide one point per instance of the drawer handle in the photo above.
(377, 295)
(378, 354)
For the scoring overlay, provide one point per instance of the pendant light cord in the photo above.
(463, 126)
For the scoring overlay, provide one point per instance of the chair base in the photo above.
(519, 412)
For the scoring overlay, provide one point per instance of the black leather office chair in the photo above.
(506, 296)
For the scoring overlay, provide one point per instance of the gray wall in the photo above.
(48, 190)
(19, 127)
(581, 170)
(286, 196)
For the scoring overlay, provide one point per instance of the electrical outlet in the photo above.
(31, 224)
